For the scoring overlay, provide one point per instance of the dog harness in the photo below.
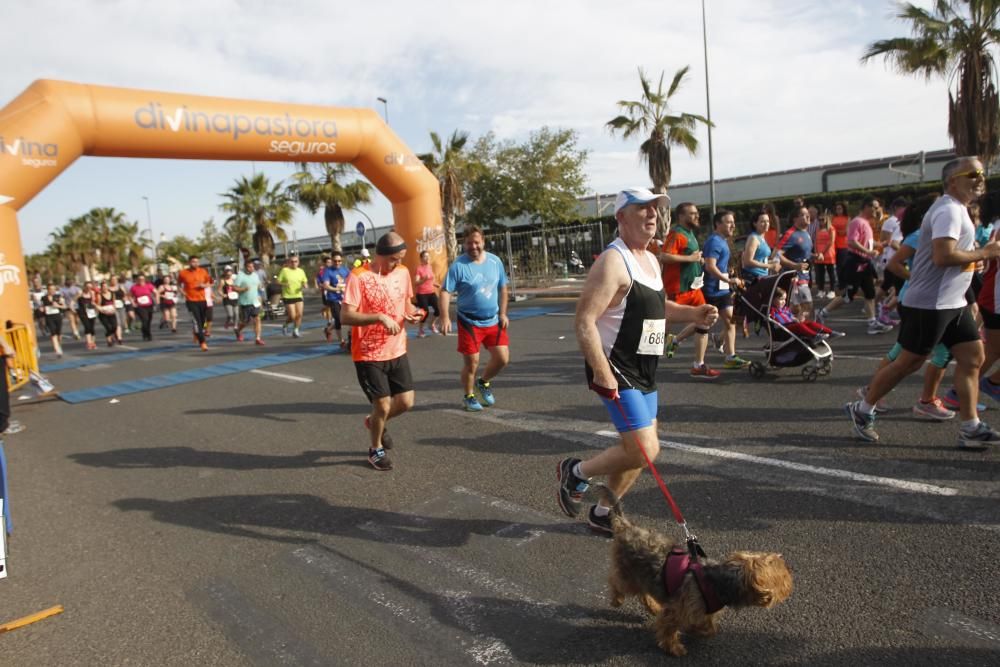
(679, 563)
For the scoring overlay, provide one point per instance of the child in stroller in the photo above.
(788, 345)
(810, 330)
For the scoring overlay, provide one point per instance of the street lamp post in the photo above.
(152, 239)
(385, 105)
(708, 109)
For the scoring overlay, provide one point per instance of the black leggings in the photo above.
(199, 310)
(821, 272)
(145, 314)
(54, 324)
(110, 323)
(335, 307)
(88, 324)
(428, 301)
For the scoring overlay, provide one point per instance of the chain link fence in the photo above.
(540, 257)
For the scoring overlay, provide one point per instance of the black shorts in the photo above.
(247, 313)
(891, 280)
(54, 324)
(208, 313)
(290, 300)
(428, 301)
(379, 379)
(721, 301)
(921, 329)
(991, 321)
(859, 274)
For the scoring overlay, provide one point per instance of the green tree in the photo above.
(178, 249)
(327, 189)
(255, 203)
(955, 39)
(451, 166)
(212, 242)
(540, 178)
(652, 117)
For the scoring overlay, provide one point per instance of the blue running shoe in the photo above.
(950, 401)
(485, 393)
(990, 389)
(471, 404)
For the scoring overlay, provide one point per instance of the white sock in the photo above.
(601, 510)
(578, 473)
(970, 425)
(866, 407)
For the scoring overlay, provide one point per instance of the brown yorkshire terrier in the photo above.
(698, 589)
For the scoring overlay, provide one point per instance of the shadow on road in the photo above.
(187, 457)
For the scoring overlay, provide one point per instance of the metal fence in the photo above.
(540, 257)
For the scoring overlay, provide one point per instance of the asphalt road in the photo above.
(235, 520)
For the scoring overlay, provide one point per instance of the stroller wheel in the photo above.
(810, 373)
(756, 370)
(826, 367)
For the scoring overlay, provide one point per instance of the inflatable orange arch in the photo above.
(52, 123)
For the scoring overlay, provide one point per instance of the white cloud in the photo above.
(787, 87)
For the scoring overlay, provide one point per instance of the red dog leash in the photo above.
(692, 542)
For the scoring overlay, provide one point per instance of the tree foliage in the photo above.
(451, 165)
(540, 178)
(955, 39)
(254, 203)
(324, 186)
(652, 117)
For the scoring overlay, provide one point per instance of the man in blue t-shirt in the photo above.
(717, 283)
(479, 280)
(333, 279)
(795, 250)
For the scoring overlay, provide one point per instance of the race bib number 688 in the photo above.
(654, 333)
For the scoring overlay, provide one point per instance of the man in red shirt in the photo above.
(376, 305)
(193, 280)
(683, 278)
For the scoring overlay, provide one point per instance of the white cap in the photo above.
(365, 253)
(637, 196)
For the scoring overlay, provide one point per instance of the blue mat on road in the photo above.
(196, 374)
(3, 492)
(216, 370)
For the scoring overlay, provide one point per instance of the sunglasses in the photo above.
(973, 174)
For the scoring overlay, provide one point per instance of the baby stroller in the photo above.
(784, 349)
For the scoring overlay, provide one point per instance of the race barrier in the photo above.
(18, 339)
(52, 123)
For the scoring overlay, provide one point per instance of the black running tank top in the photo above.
(633, 332)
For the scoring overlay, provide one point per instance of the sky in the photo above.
(787, 88)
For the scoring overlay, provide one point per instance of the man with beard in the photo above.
(479, 279)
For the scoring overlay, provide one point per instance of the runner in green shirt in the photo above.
(293, 280)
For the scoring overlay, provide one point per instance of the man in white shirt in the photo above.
(935, 306)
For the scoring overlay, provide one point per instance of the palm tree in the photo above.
(327, 189)
(451, 166)
(102, 223)
(954, 39)
(254, 202)
(652, 117)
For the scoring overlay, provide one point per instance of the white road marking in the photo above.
(283, 376)
(128, 347)
(560, 314)
(906, 485)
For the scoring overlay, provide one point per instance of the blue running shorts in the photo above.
(639, 409)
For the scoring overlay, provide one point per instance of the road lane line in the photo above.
(906, 485)
(283, 376)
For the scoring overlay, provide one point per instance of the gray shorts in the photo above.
(800, 294)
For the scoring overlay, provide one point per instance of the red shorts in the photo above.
(470, 337)
(693, 297)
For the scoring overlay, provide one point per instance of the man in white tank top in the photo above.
(620, 327)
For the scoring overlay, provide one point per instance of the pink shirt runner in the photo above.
(426, 273)
(860, 231)
(143, 294)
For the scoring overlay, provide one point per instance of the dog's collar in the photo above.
(678, 564)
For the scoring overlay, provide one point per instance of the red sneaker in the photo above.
(704, 372)
(259, 341)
